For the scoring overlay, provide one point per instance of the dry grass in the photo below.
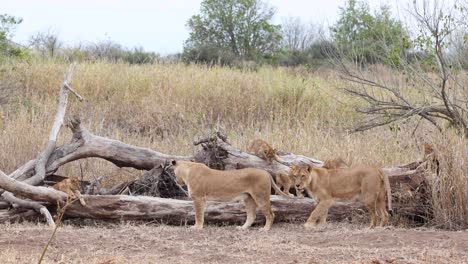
(450, 188)
(285, 243)
(166, 106)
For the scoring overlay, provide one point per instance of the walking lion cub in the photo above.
(345, 183)
(251, 185)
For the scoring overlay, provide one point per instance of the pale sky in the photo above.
(156, 25)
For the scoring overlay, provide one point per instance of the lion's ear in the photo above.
(309, 168)
(173, 162)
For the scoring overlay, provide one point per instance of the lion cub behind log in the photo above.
(251, 185)
(345, 183)
(71, 186)
(262, 149)
(336, 163)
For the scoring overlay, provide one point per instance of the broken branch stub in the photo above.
(158, 182)
(87, 145)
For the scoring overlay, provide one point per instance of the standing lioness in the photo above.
(253, 186)
(345, 183)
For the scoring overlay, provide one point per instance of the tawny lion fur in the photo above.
(337, 163)
(263, 150)
(253, 186)
(326, 185)
(287, 180)
(71, 186)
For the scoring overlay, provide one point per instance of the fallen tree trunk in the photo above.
(87, 145)
(20, 203)
(218, 153)
(173, 211)
(35, 193)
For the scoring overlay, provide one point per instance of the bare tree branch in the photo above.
(43, 157)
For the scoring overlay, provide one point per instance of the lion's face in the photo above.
(270, 154)
(301, 176)
(75, 183)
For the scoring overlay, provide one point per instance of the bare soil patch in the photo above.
(285, 243)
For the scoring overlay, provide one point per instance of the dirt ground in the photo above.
(285, 243)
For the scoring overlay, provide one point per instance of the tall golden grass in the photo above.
(166, 106)
(449, 189)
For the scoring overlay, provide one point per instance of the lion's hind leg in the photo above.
(382, 209)
(370, 202)
(265, 207)
(250, 208)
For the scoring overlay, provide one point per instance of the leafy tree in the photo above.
(369, 38)
(7, 26)
(238, 27)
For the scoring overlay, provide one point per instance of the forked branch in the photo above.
(43, 157)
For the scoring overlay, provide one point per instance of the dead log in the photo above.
(35, 193)
(87, 145)
(178, 212)
(218, 153)
(20, 203)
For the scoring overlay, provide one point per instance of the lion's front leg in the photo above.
(78, 194)
(199, 205)
(250, 208)
(319, 213)
(299, 192)
(71, 195)
(323, 217)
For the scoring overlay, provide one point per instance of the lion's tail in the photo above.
(276, 188)
(384, 177)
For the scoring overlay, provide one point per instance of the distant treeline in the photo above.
(241, 32)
